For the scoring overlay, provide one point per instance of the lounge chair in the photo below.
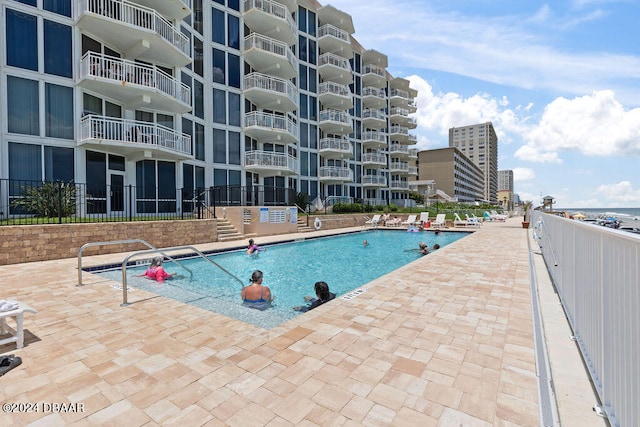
(473, 220)
(499, 217)
(440, 221)
(373, 222)
(394, 222)
(459, 222)
(411, 220)
(424, 218)
(16, 310)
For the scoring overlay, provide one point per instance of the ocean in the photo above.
(622, 214)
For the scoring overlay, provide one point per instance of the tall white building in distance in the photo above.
(480, 144)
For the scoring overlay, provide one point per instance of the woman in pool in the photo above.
(156, 271)
(322, 295)
(253, 248)
(256, 295)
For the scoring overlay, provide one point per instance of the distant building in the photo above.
(453, 173)
(505, 180)
(480, 144)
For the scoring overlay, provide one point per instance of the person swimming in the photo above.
(252, 248)
(256, 295)
(156, 271)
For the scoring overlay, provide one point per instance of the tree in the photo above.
(51, 199)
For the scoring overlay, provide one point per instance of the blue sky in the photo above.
(559, 80)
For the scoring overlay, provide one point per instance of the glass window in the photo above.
(304, 110)
(302, 48)
(22, 40)
(217, 26)
(57, 49)
(116, 163)
(62, 7)
(234, 4)
(234, 148)
(234, 70)
(313, 108)
(166, 186)
(112, 110)
(199, 142)
(219, 66)
(58, 164)
(199, 177)
(219, 177)
(165, 120)
(91, 105)
(304, 134)
(219, 146)
(145, 186)
(234, 109)
(96, 170)
(219, 106)
(312, 80)
(312, 52)
(312, 23)
(303, 76)
(198, 54)
(235, 178)
(302, 19)
(58, 111)
(197, 16)
(33, 3)
(304, 163)
(22, 106)
(233, 31)
(313, 136)
(313, 164)
(25, 163)
(90, 45)
(198, 94)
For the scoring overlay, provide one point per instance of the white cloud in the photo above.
(594, 125)
(620, 195)
(523, 174)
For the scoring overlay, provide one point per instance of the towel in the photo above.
(6, 305)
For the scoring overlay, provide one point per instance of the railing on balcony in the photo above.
(333, 31)
(335, 116)
(334, 88)
(413, 153)
(267, 44)
(271, 121)
(374, 158)
(397, 111)
(272, 84)
(369, 113)
(399, 129)
(374, 69)
(270, 160)
(399, 185)
(335, 144)
(335, 172)
(272, 8)
(141, 17)
(148, 135)
(413, 139)
(335, 60)
(399, 93)
(398, 148)
(413, 170)
(122, 70)
(372, 135)
(372, 91)
(377, 180)
(399, 166)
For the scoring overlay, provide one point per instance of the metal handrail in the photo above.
(126, 260)
(119, 242)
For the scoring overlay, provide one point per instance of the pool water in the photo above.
(290, 271)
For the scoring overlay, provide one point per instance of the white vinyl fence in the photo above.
(596, 272)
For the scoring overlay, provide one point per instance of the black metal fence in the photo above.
(37, 202)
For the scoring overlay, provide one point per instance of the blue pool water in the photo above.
(290, 271)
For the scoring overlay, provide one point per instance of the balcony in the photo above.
(334, 68)
(374, 76)
(271, 93)
(292, 5)
(399, 150)
(173, 9)
(271, 19)
(400, 116)
(374, 119)
(269, 163)
(413, 153)
(335, 95)
(269, 56)
(335, 122)
(129, 137)
(335, 40)
(413, 171)
(399, 98)
(402, 135)
(374, 98)
(133, 84)
(335, 174)
(399, 185)
(371, 160)
(335, 148)
(374, 181)
(374, 139)
(270, 127)
(398, 167)
(137, 31)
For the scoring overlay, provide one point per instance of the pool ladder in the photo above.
(152, 250)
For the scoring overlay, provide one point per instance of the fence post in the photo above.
(59, 202)
(130, 204)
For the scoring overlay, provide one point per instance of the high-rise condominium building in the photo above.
(148, 102)
(505, 180)
(480, 144)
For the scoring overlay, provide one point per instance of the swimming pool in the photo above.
(290, 271)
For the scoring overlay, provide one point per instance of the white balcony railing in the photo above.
(333, 31)
(368, 113)
(399, 185)
(335, 144)
(274, 9)
(138, 16)
(271, 121)
(335, 60)
(372, 91)
(374, 158)
(376, 180)
(399, 130)
(135, 133)
(399, 93)
(335, 116)
(125, 71)
(372, 135)
(270, 160)
(399, 166)
(374, 69)
(413, 153)
(334, 88)
(267, 44)
(272, 84)
(399, 148)
(335, 172)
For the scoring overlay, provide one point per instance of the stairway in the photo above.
(226, 231)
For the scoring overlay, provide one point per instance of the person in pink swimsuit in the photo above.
(156, 271)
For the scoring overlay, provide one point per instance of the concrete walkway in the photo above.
(444, 341)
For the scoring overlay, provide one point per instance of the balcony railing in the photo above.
(274, 9)
(271, 122)
(375, 180)
(335, 60)
(372, 135)
(399, 93)
(335, 116)
(340, 145)
(124, 71)
(399, 130)
(334, 88)
(267, 44)
(413, 170)
(377, 158)
(399, 185)
(333, 31)
(374, 114)
(374, 69)
(272, 84)
(399, 167)
(142, 134)
(398, 148)
(335, 173)
(413, 153)
(270, 160)
(373, 91)
(138, 16)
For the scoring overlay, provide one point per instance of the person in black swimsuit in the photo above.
(322, 295)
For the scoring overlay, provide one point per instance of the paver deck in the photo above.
(444, 341)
